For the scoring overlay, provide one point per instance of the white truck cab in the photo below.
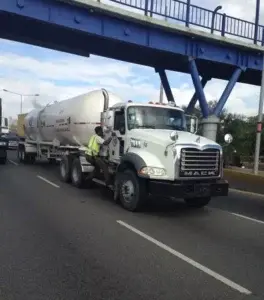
(155, 154)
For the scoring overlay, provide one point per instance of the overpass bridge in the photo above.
(234, 52)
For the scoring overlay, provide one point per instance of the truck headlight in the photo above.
(153, 171)
(2, 143)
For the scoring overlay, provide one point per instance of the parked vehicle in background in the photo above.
(12, 139)
(3, 149)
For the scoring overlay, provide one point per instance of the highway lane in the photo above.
(64, 243)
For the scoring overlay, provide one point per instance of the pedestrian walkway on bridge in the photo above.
(87, 27)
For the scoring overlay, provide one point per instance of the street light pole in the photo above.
(259, 122)
(21, 97)
(21, 103)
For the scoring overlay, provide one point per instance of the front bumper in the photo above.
(188, 189)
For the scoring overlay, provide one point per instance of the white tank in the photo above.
(69, 119)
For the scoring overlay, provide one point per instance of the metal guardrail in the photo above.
(190, 14)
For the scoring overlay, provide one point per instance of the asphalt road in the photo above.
(58, 242)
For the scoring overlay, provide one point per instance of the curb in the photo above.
(246, 193)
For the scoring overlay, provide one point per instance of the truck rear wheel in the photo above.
(25, 157)
(65, 169)
(197, 202)
(132, 191)
(77, 176)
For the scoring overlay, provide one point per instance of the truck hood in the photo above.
(163, 136)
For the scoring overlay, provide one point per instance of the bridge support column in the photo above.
(210, 120)
(194, 98)
(165, 84)
(210, 126)
(227, 91)
(198, 87)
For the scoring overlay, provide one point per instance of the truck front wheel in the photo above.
(197, 202)
(132, 191)
(77, 177)
(65, 169)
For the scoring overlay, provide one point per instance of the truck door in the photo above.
(116, 148)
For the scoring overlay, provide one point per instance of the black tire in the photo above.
(65, 169)
(138, 191)
(197, 202)
(30, 158)
(20, 154)
(23, 156)
(77, 176)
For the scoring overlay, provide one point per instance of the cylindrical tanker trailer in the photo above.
(151, 153)
(69, 120)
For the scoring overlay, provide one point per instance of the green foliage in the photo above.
(242, 128)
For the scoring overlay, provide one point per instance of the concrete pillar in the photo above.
(210, 126)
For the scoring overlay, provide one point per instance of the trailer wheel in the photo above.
(65, 169)
(132, 191)
(19, 154)
(197, 202)
(22, 155)
(77, 176)
(31, 158)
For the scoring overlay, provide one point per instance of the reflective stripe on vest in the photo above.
(93, 147)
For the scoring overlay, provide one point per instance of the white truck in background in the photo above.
(4, 125)
(152, 153)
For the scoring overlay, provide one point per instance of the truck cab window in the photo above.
(155, 118)
(119, 123)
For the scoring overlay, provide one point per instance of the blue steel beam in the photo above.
(194, 98)
(198, 87)
(91, 28)
(222, 101)
(165, 84)
(93, 19)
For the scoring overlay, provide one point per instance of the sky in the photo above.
(27, 69)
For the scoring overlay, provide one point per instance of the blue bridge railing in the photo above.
(189, 14)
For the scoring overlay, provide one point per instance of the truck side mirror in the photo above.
(192, 123)
(6, 122)
(109, 119)
(228, 138)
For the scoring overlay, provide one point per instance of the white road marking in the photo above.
(49, 182)
(248, 218)
(190, 261)
(13, 162)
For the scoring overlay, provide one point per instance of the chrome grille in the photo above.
(199, 163)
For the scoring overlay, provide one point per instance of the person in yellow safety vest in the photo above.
(93, 151)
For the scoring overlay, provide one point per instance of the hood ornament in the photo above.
(198, 140)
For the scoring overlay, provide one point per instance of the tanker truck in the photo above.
(152, 153)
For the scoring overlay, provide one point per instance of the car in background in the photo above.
(3, 149)
(12, 140)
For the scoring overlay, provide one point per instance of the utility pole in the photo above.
(259, 122)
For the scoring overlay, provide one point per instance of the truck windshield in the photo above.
(155, 118)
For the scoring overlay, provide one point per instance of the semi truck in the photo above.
(151, 153)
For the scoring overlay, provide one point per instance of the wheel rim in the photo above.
(63, 170)
(75, 176)
(128, 190)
